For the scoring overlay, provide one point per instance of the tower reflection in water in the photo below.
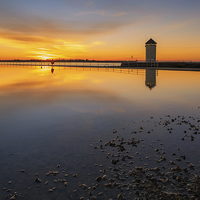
(151, 78)
(150, 81)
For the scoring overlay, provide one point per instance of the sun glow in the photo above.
(44, 57)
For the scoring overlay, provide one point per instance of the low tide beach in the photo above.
(96, 133)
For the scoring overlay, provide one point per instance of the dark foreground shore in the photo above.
(154, 161)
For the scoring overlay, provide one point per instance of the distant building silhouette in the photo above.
(150, 78)
(150, 50)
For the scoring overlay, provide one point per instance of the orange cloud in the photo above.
(23, 38)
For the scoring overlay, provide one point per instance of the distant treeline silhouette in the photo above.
(59, 60)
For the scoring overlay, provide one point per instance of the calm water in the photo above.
(49, 119)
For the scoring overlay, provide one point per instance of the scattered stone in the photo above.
(65, 183)
(93, 187)
(98, 179)
(119, 196)
(37, 180)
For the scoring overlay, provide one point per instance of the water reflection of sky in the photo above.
(87, 91)
(46, 119)
(36, 96)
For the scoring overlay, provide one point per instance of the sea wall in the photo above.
(161, 64)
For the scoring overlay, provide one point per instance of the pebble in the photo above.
(37, 180)
(100, 193)
(65, 183)
(119, 196)
(98, 179)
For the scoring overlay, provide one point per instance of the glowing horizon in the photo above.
(111, 30)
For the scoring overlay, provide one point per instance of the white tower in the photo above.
(150, 50)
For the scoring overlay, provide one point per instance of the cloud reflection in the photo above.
(49, 89)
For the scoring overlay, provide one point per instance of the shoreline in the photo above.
(176, 66)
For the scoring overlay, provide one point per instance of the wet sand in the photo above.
(132, 162)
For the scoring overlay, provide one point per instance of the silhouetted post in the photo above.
(52, 62)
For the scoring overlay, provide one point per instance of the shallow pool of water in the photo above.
(63, 120)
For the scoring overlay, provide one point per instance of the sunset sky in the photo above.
(97, 29)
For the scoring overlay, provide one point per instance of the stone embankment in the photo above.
(179, 65)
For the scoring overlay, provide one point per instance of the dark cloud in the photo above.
(23, 37)
(42, 21)
(28, 27)
(42, 32)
